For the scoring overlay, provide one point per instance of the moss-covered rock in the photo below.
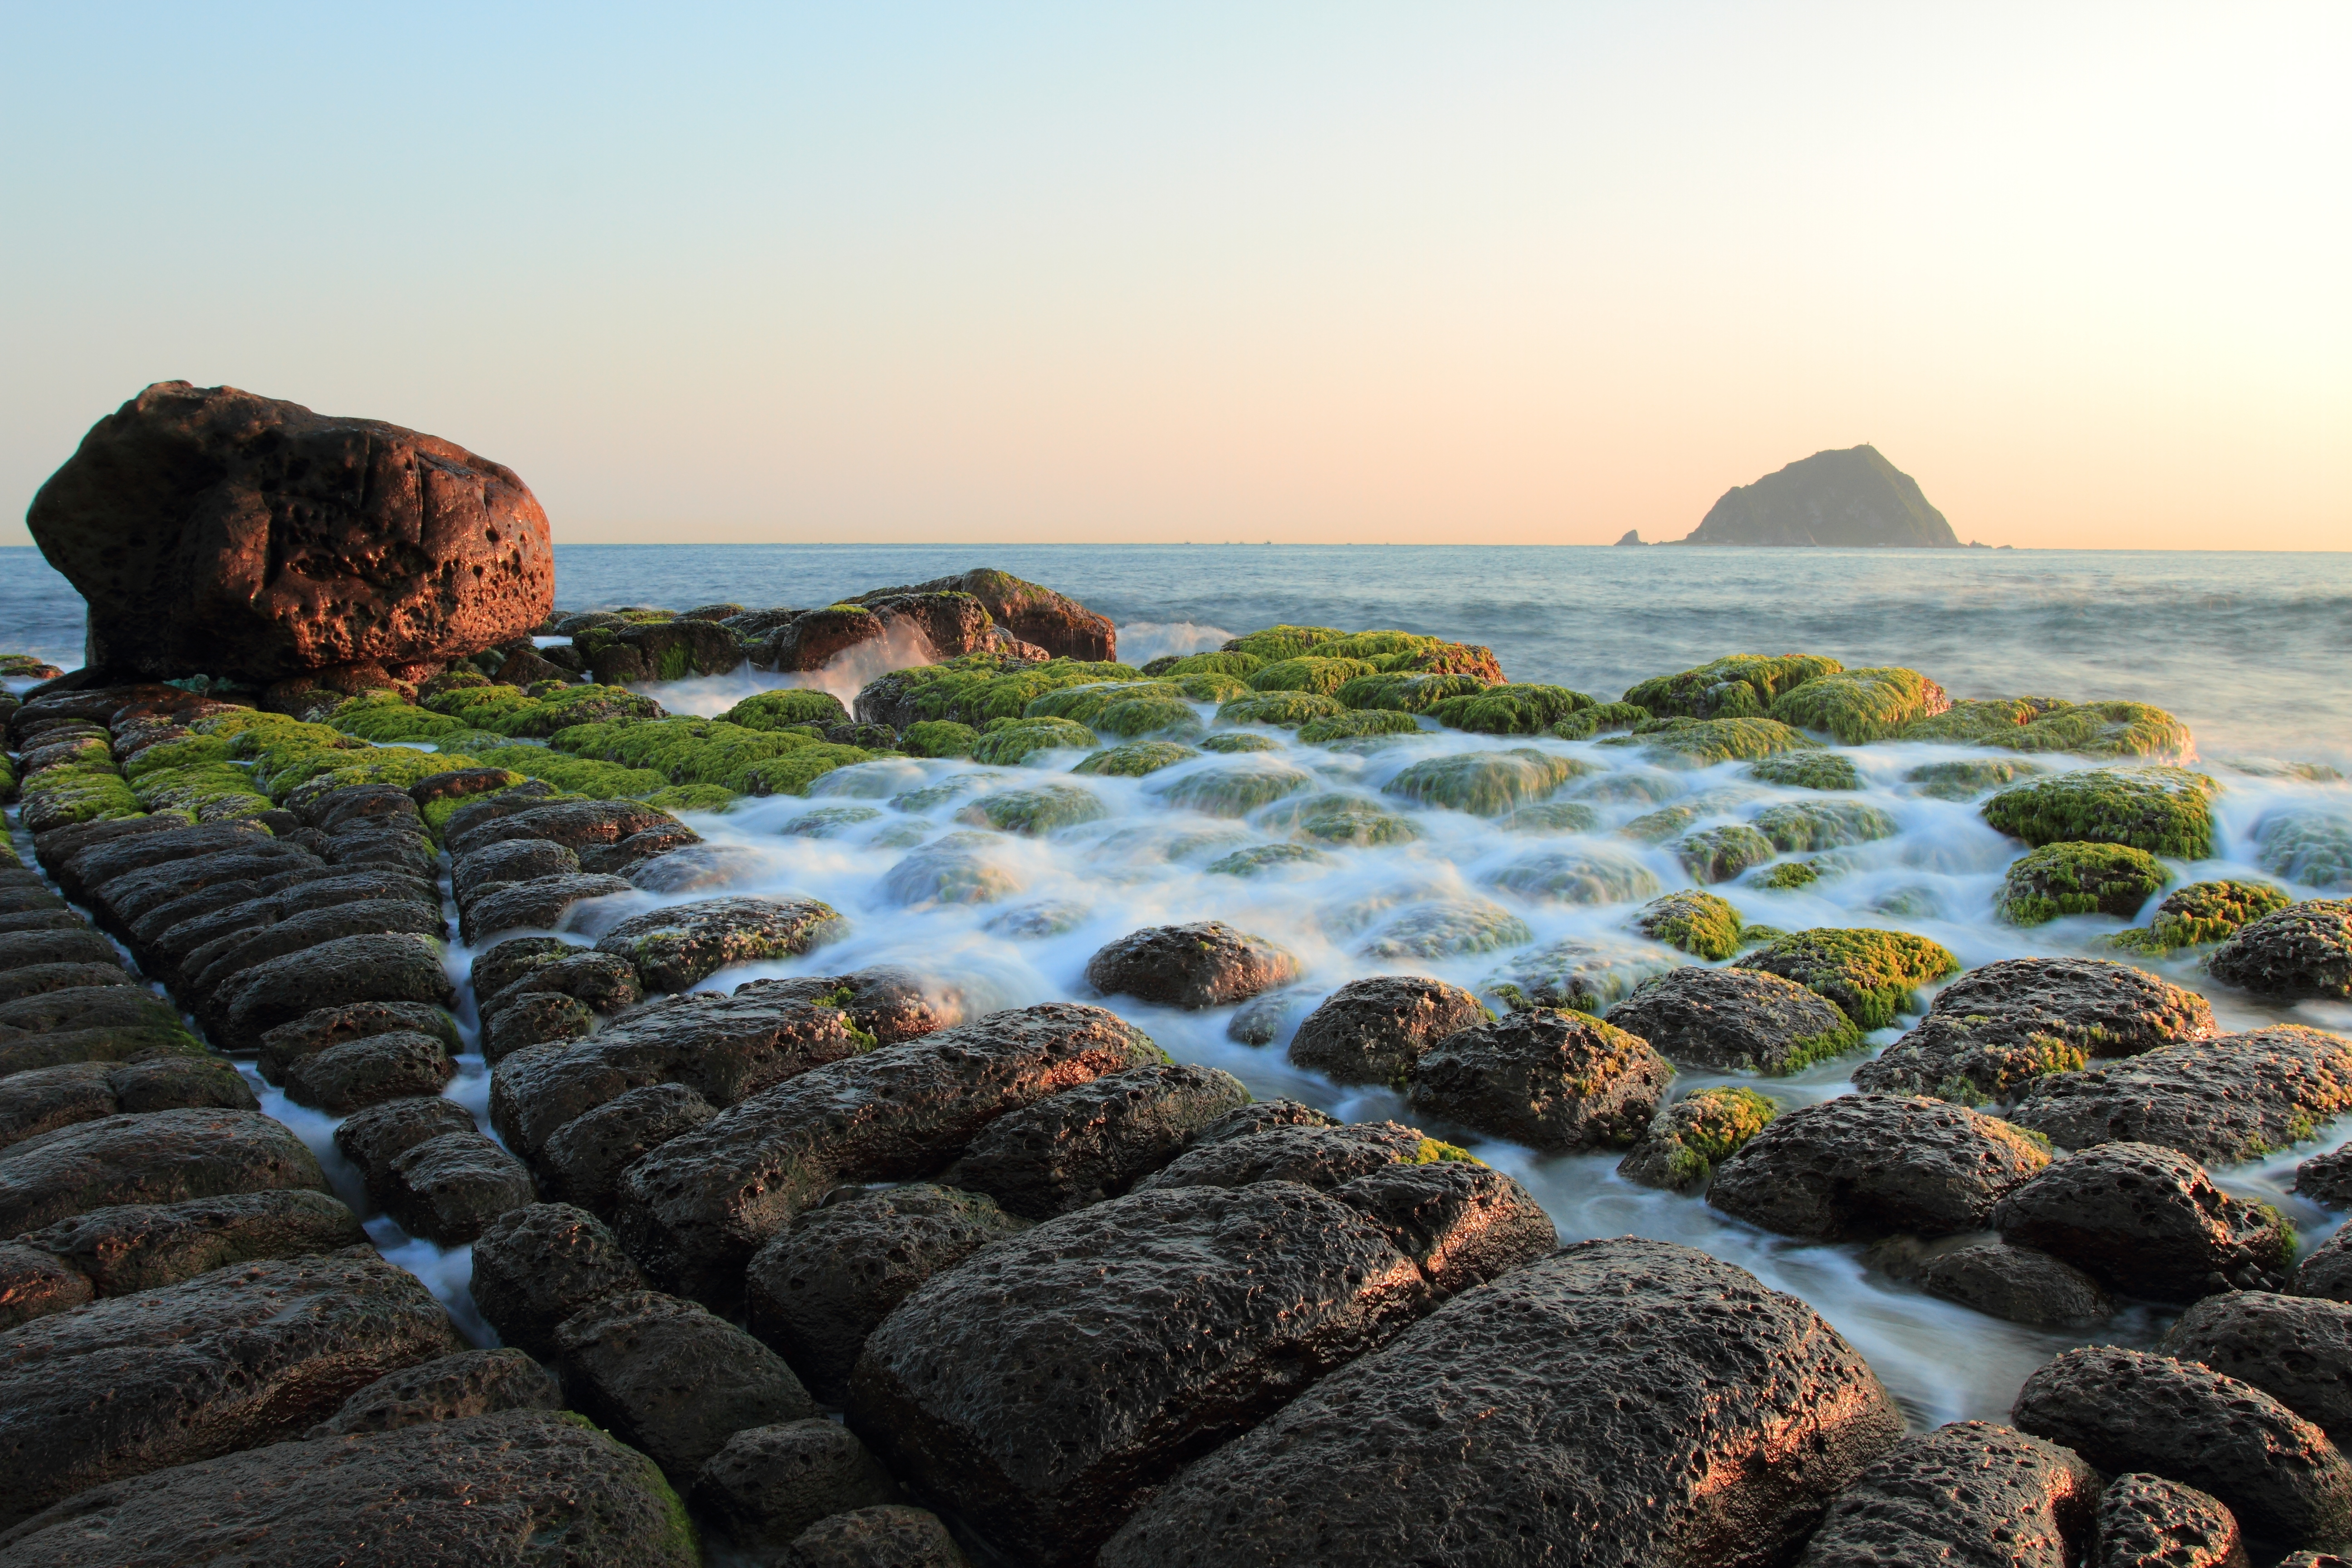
(1576, 974)
(1406, 692)
(208, 792)
(1236, 741)
(1488, 784)
(1739, 686)
(1236, 789)
(1511, 709)
(1787, 877)
(1283, 709)
(1697, 1132)
(2052, 725)
(2163, 810)
(1722, 854)
(1036, 810)
(1967, 780)
(385, 716)
(793, 705)
(1013, 745)
(977, 688)
(2198, 913)
(1238, 665)
(63, 795)
(2079, 879)
(1858, 706)
(1552, 816)
(1872, 975)
(1309, 673)
(1276, 643)
(1135, 759)
(1601, 719)
(938, 738)
(1806, 770)
(575, 775)
(1704, 925)
(1449, 930)
(795, 770)
(692, 797)
(2305, 846)
(511, 711)
(1335, 818)
(1582, 875)
(1797, 827)
(1364, 724)
(1702, 743)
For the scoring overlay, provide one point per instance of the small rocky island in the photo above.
(1842, 498)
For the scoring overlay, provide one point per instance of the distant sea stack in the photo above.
(1854, 496)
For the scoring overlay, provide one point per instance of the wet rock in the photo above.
(2126, 1410)
(76, 944)
(38, 979)
(2146, 1521)
(394, 968)
(166, 1156)
(2218, 1101)
(1321, 1155)
(2296, 1349)
(2304, 950)
(463, 1491)
(364, 1072)
(34, 1283)
(2327, 1272)
(228, 1360)
(510, 860)
(1039, 1385)
(625, 859)
(605, 982)
(1687, 1139)
(446, 1188)
(575, 823)
(1260, 1116)
(696, 1208)
(540, 904)
(770, 1483)
(1865, 1165)
(471, 1382)
(1062, 626)
(1205, 964)
(1996, 1029)
(1092, 1141)
(2327, 1178)
(583, 1161)
(1970, 1492)
(535, 1019)
(824, 1284)
(94, 865)
(1522, 1413)
(502, 964)
(2017, 1285)
(722, 1047)
(892, 1535)
(1735, 1020)
(280, 1049)
(888, 1001)
(374, 1138)
(1462, 1223)
(538, 1266)
(144, 1046)
(1872, 975)
(677, 948)
(672, 1380)
(144, 1246)
(216, 964)
(1373, 1030)
(1557, 1081)
(45, 1098)
(185, 950)
(2148, 1221)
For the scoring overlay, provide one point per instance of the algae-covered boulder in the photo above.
(1282, 642)
(2312, 848)
(1015, 743)
(1870, 974)
(1806, 770)
(2303, 950)
(2066, 878)
(1362, 724)
(1588, 874)
(1130, 708)
(1736, 1020)
(1234, 789)
(1858, 706)
(1688, 1139)
(1739, 686)
(938, 738)
(1239, 665)
(1448, 928)
(2163, 810)
(2218, 1101)
(1511, 709)
(1582, 976)
(2198, 913)
(1704, 925)
(1135, 759)
(1488, 784)
(1722, 854)
(1399, 692)
(677, 948)
(1866, 1165)
(1556, 1081)
(1307, 673)
(1282, 710)
(1036, 810)
(1601, 719)
(959, 869)
(1967, 780)
(1703, 743)
(1340, 819)
(1798, 827)
(2052, 724)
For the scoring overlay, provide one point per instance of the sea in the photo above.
(2249, 649)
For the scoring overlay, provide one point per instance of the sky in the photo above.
(1359, 272)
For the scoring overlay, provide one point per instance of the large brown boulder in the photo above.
(1062, 626)
(1969, 1492)
(214, 531)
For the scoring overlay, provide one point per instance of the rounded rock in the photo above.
(1373, 1030)
(1205, 964)
(1556, 1081)
(1735, 1020)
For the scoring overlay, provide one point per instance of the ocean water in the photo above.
(2249, 649)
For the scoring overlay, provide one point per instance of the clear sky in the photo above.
(1357, 271)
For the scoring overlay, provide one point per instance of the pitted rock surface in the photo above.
(583, 1159)
(1556, 1081)
(1092, 1141)
(2146, 1521)
(677, 948)
(160, 1158)
(2296, 1349)
(770, 1483)
(535, 1266)
(1730, 1020)
(1205, 964)
(1865, 1165)
(1460, 1223)
(2303, 950)
(2017, 1285)
(144, 1246)
(1373, 1030)
(471, 1382)
(890, 1002)
(2148, 1221)
(2218, 1101)
(1320, 1155)
(1969, 1492)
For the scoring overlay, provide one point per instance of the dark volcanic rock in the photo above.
(1373, 1030)
(2295, 1348)
(888, 1002)
(535, 1266)
(374, 1138)
(576, 824)
(1061, 626)
(2126, 1410)
(1261, 1116)
(118, 1007)
(2218, 1101)
(43, 1099)
(1092, 1141)
(1640, 1399)
(189, 953)
(225, 1361)
(828, 1279)
(521, 1486)
(2327, 1178)
(606, 982)
(696, 1208)
(76, 944)
(1864, 1165)
(1205, 964)
(471, 1382)
(1847, 495)
(34, 1283)
(583, 1161)
(447, 1189)
(1734, 1020)
(216, 532)
(280, 1049)
(1969, 1492)
(2304, 950)
(508, 860)
(38, 979)
(537, 1019)
(398, 968)
(1045, 1379)
(144, 1246)
(2018, 1285)
(98, 864)
(1558, 1081)
(891, 1535)
(2327, 1272)
(1998, 1028)
(367, 1072)
(539, 904)
(2146, 1521)
(1320, 1155)
(1460, 1223)
(770, 1483)
(164, 1157)
(2148, 1221)
(672, 1380)
(677, 948)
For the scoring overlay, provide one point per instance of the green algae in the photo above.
(1511, 709)
(1701, 1130)
(1261, 858)
(1406, 692)
(1788, 877)
(1806, 770)
(1015, 744)
(938, 738)
(1340, 819)
(1309, 673)
(510, 711)
(575, 775)
(1967, 780)
(1036, 810)
(73, 793)
(1125, 709)
(978, 688)
(383, 715)
(1858, 706)
(1282, 710)
(1236, 790)
(2163, 810)
(1233, 742)
(829, 821)
(1277, 643)
(1137, 759)
(1577, 975)
(1552, 816)
(2069, 879)
(692, 797)
(793, 705)
(1603, 719)
(1367, 724)
(1237, 665)
(1798, 827)
(1586, 875)
(1485, 783)
(2198, 913)
(1668, 821)
(187, 752)
(206, 791)
(2053, 724)
(1703, 743)
(1872, 975)
(1722, 854)
(1739, 686)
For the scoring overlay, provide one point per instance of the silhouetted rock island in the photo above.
(1854, 496)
